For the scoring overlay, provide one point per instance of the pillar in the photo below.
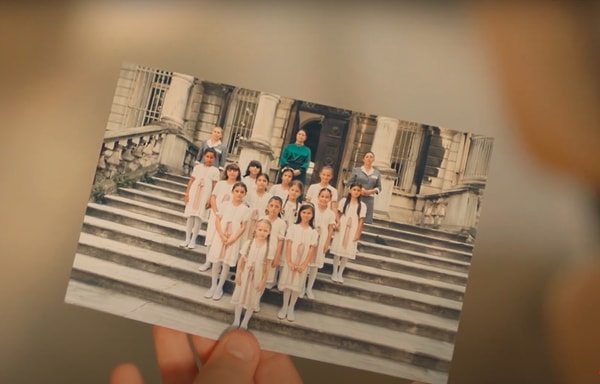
(383, 144)
(258, 147)
(174, 105)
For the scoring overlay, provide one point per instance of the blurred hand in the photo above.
(235, 358)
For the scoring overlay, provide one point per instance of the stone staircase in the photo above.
(396, 314)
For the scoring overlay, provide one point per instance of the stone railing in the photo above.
(125, 156)
(456, 210)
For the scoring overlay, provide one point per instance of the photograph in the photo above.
(331, 234)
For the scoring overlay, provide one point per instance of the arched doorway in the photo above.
(326, 130)
(313, 132)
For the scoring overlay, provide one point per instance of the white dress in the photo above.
(312, 194)
(277, 190)
(258, 207)
(246, 294)
(289, 211)
(222, 193)
(232, 218)
(343, 244)
(278, 228)
(250, 183)
(200, 190)
(301, 240)
(322, 221)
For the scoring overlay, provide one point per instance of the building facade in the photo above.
(431, 176)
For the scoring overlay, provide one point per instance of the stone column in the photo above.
(383, 144)
(172, 115)
(192, 111)
(258, 147)
(173, 109)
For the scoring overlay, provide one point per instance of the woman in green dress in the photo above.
(296, 156)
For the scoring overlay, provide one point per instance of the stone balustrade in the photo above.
(126, 155)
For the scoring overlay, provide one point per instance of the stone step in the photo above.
(170, 184)
(406, 236)
(418, 269)
(399, 280)
(142, 215)
(150, 198)
(412, 233)
(389, 295)
(451, 261)
(150, 210)
(311, 327)
(339, 304)
(463, 238)
(140, 221)
(409, 245)
(131, 307)
(158, 190)
(176, 178)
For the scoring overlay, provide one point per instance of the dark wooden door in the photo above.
(331, 147)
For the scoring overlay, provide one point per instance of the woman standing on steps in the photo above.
(369, 179)
(297, 156)
(197, 194)
(215, 143)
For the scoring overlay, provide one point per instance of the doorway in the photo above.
(326, 130)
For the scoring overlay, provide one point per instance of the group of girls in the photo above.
(273, 236)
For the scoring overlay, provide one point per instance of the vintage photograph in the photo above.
(331, 234)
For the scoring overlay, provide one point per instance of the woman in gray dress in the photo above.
(370, 180)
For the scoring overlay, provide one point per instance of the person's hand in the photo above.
(186, 197)
(296, 172)
(235, 358)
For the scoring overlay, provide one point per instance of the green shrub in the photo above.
(98, 195)
(161, 170)
(123, 181)
(146, 178)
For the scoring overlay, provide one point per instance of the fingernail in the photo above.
(227, 330)
(240, 349)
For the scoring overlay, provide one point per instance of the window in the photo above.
(478, 159)
(241, 119)
(405, 154)
(145, 105)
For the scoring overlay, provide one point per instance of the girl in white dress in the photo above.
(196, 197)
(252, 171)
(344, 245)
(257, 201)
(312, 194)
(220, 194)
(276, 239)
(301, 244)
(289, 210)
(324, 223)
(225, 248)
(281, 189)
(251, 274)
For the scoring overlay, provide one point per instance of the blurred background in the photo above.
(419, 63)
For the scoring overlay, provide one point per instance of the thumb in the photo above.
(573, 316)
(234, 360)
